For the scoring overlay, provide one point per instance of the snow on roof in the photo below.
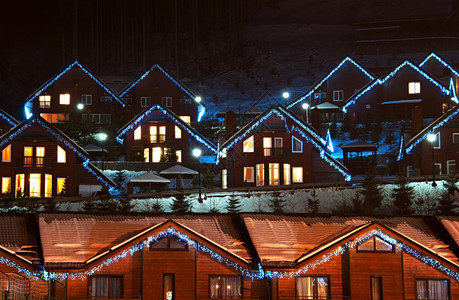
(326, 105)
(149, 178)
(93, 148)
(402, 101)
(178, 170)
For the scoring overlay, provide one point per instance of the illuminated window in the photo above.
(44, 101)
(297, 145)
(64, 99)
(260, 174)
(273, 174)
(178, 153)
(6, 154)
(157, 153)
(19, 185)
(61, 185)
(178, 132)
(166, 101)
(6, 185)
(224, 287)
(48, 185)
(146, 155)
(267, 146)
(86, 99)
(312, 287)
(287, 179)
(40, 156)
(153, 134)
(338, 95)
(224, 178)
(162, 134)
(145, 101)
(28, 156)
(138, 133)
(414, 87)
(248, 145)
(103, 287)
(186, 119)
(297, 174)
(248, 174)
(375, 244)
(61, 155)
(55, 118)
(432, 289)
(35, 185)
(224, 153)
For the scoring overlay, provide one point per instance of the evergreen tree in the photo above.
(357, 206)
(313, 203)
(446, 203)
(372, 194)
(50, 205)
(209, 177)
(120, 178)
(403, 194)
(124, 204)
(180, 204)
(234, 205)
(89, 205)
(157, 207)
(277, 203)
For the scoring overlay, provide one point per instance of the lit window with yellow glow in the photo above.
(297, 174)
(19, 185)
(40, 156)
(61, 155)
(60, 185)
(248, 145)
(153, 134)
(35, 185)
(178, 153)
(138, 133)
(414, 87)
(64, 99)
(225, 287)
(48, 185)
(287, 179)
(224, 178)
(44, 101)
(146, 155)
(6, 154)
(156, 153)
(249, 174)
(6, 185)
(186, 119)
(273, 174)
(178, 132)
(260, 168)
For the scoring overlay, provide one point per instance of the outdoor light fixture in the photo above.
(432, 138)
(101, 136)
(305, 106)
(198, 99)
(286, 95)
(197, 153)
(80, 106)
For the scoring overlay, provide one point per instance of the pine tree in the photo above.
(403, 194)
(157, 207)
(124, 204)
(234, 205)
(446, 203)
(89, 205)
(357, 207)
(180, 204)
(120, 178)
(372, 194)
(313, 203)
(277, 203)
(50, 205)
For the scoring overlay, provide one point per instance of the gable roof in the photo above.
(173, 79)
(53, 79)
(8, 118)
(381, 81)
(437, 58)
(61, 137)
(148, 177)
(430, 129)
(326, 77)
(178, 170)
(143, 117)
(306, 131)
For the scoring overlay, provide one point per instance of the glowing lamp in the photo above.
(101, 136)
(305, 106)
(198, 99)
(80, 106)
(197, 152)
(286, 95)
(431, 137)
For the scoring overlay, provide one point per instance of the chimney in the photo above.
(417, 120)
(230, 123)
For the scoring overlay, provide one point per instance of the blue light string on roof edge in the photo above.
(8, 120)
(400, 149)
(452, 89)
(180, 123)
(347, 59)
(433, 55)
(382, 81)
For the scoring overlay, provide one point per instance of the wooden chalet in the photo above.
(393, 97)
(40, 161)
(158, 87)
(416, 152)
(159, 135)
(438, 67)
(277, 148)
(76, 95)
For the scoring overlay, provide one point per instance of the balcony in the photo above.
(33, 162)
(273, 152)
(157, 138)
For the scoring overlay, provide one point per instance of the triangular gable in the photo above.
(435, 57)
(21, 264)
(52, 80)
(307, 132)
(175, 81)
(312, 90)
(142, 117)
(430, 129)
(381, 81)
(355, 237)
(61, 137)
(152, 235)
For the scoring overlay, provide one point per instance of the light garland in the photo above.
(28, 104)
(308, 94)
(329, 141)
(452, 89)
(434, 56)
(8, 119)
(138, 121)
(382, 81)
(400, 149)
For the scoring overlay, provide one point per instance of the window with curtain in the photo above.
(437, 289)
(225, 287)
(312, 287)
(103, 287)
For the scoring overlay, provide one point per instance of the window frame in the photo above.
(247, 140)
(6, 152)
(110, 276)
(414, 87)
(169, 239)
(166, 101)
(105, 99)
(293, 143)
(374, 246)
(219, 294)
(64, 99)
(260, 181)
(145, 101)
(86, 99)
(315, 290)
(44, 101)
(426, 280)
(302, 175)
(61, 155)
(455, 137)
(6, 179)
(338, 95)
(449, 164)
(244, 174)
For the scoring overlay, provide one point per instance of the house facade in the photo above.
(277, 149)
(40, 161)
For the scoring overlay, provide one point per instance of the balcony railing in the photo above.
(157, 138)
(274, 152)
(34, 161)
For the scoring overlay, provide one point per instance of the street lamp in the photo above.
(80, 106)
(305, 106)
(432, 138)
(102, 137)
(197, 153)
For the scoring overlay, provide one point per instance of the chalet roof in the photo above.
(326, 105)
(347, 60)
(148, 177)
(8, 118)
(77, 238)
(359, 144)
(143, 117)
(291, 237)
(93, 148)
(438, 59)
(381, 81)
(178, 170)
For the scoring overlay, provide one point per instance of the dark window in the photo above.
(169, 243)
(105, 99)
(145, 101)
(375, 244)
(225, 287)
(102, 287)
(312, 287)
(167, 101)
(437, 289)
(376, 287)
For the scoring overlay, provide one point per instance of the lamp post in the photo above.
(102, 137)
(305, 106)
(197, 154)
(432, 138)
(286, 95)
